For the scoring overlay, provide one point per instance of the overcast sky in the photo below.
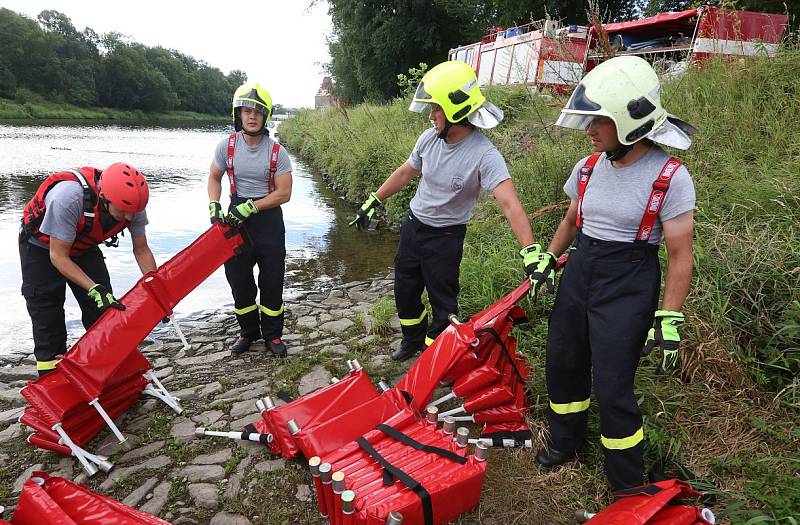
(280, 43)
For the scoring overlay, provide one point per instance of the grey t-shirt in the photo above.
(63, 210)
(615, 198)
(251, 165)
(452, 176)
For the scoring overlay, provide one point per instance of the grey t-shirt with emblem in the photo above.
(453, 176)
(251, 165)
(63, 210)
(615, 198)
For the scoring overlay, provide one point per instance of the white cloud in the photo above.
(278, 43)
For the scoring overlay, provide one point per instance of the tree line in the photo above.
(374, 41)
(50, 57)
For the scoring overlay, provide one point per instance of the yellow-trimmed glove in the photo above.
(530, 257)
(103, 298)
(365, 214)
(215, 212)
(664, 335)
(241, 213)
(544, 273)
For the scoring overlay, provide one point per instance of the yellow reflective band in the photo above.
(272, 313)
(245, 310)
(428, 341)
(570, 408)
(45, 365)
(623, 443)
(412, 322)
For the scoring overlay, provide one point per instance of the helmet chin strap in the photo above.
(618, 153)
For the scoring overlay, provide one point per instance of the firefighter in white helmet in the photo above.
(626, 198)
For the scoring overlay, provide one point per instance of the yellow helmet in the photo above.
(251, 95)
(454, 87)
(627, 90)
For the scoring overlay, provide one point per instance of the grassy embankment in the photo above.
(731, 413)
(33, 107)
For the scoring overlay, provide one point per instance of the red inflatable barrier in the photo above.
(329, 435)
(651, 505)
(318, 406)
(55, 501)
(92, 363)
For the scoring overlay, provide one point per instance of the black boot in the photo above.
(241, 345)
(406, 351)
(551, 458)
(277, 347)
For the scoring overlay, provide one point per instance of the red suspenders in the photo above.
(654, 203)
(273, 164)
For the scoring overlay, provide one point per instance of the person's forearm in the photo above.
(563, 237)
(214, 188)
(274, 199)
(71, 271)
(678, 280)
(396, 181)
(145, 259)
(519, 223)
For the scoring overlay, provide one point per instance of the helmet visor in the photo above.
(574, 121)
(674, 132)
(422, 100)
(246, 103)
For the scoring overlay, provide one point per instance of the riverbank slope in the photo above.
(731, 413)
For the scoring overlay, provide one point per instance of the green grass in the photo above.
(731, 412)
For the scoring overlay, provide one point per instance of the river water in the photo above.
(321, 248)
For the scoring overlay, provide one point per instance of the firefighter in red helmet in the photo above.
(69, 216)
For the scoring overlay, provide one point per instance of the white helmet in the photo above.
(626, 89)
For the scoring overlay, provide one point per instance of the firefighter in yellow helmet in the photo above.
(454, 161)
(626, 198)
(260, 174)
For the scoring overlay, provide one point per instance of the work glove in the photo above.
(240, 213)
(530, 257)
(367, 211)
(215, 212)
(104, 299)
(664, 335)
(544, 273)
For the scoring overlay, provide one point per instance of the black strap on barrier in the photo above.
(506, 351)
(408, 481)
(416, 445)
(644, 490)
(250, 428)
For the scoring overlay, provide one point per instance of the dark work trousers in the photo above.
(427, 258)
(44, 290)
(604, 307)
(265, 245)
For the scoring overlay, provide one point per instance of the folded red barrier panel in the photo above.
(318, 406)
(453, 491)
(428, 370)
(401, 421)
(481, 376)
(55, 398)
(507, 413)
(502, 307)
(93, 361)
(329, 435)
(36, 507)
(53, 500)
(640, 505)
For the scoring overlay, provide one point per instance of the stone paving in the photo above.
(165, 469)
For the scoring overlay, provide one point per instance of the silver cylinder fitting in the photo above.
(394, 518)
(462, 436)
(481, 451)
(294, 428)
(348, 497)
(432, 414)
(313, 465)
(449, 425)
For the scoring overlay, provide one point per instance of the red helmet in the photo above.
(125, 187)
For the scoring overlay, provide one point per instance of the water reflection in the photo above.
(175, 159)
